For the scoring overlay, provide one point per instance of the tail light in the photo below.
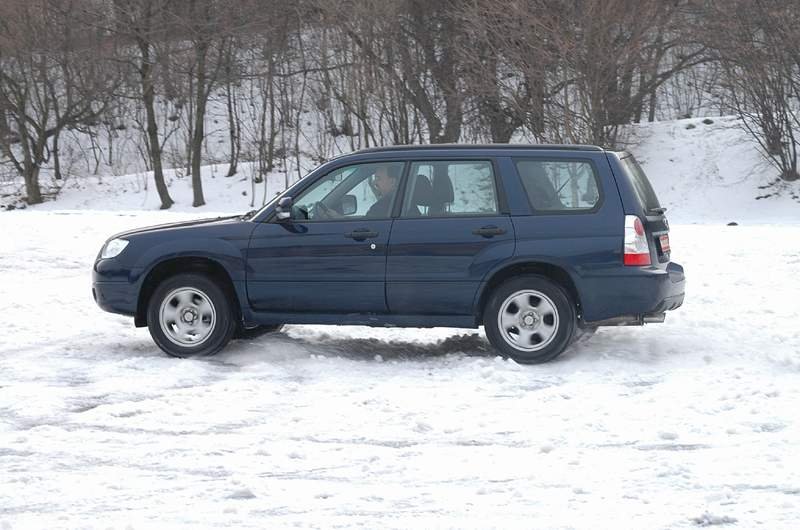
(636, 249)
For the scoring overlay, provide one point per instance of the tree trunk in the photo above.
(637, 117)
(651, 115)
(199, 125)
(273, 129)
(454, 112)
(501, 125)
(154, 146)
(233, 129)
(56, 158)
(29, 165)
(32, 189)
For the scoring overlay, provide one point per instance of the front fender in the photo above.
(227, 254)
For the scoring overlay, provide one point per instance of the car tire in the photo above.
(530, 319)
(258, 331)
(190, 315)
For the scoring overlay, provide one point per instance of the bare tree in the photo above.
(422, 39)
(139, 26)
(509, 62)
(300, 81)
(51, 77)
(756, 44)
(231, 79)
(613, 55)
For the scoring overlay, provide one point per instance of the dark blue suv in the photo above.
(539, 244)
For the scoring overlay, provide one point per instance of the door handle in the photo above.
(489, 231)
(361, 234)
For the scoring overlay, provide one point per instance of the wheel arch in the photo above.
(556, 273)
(179, 265)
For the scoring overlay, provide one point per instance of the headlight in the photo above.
(113, 248)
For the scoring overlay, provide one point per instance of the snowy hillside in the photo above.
(700, 171)
(712, 172)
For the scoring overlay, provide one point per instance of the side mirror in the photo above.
(349, 205)
(284, 208)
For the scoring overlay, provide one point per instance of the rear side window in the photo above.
(560, 185)
(640, 183)
(444, 188)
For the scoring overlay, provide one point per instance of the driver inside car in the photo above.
(385, 185)
(382, 182)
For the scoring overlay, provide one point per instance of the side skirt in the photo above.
(367, 319)
(629, 320)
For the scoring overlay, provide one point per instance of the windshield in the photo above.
(647, 196)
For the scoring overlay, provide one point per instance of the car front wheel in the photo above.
(530, 319)
(189, 315)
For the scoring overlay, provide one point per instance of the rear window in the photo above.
(640, 183)
(559, 185)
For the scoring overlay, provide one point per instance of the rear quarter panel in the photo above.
(585, 245)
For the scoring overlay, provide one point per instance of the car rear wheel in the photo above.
(189, 315)
(530, 319)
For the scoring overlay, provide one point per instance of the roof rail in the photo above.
(432, 147)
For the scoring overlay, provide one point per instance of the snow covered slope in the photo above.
(677, 425)
(136, 192)
(712, 172)
(701, 172)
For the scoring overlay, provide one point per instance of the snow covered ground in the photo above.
(685, 424)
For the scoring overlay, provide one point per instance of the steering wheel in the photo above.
(323, 212)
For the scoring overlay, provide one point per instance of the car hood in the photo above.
(179, 226)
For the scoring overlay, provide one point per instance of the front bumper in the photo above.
(115, 297)
(112, 287)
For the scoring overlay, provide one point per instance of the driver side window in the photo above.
(350, 192)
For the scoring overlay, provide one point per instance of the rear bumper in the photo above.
(633, 291)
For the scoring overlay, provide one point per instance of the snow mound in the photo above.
(712, 172)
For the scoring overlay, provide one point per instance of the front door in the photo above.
(330, 257)
(451, 232)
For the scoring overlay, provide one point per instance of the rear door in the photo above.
(452, 229)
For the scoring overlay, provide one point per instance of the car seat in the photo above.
(541, 192)
(421, 195)
(443, 194)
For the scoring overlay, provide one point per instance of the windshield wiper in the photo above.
(248, 215)
(657, 211)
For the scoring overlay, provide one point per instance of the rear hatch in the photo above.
(652, 213)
